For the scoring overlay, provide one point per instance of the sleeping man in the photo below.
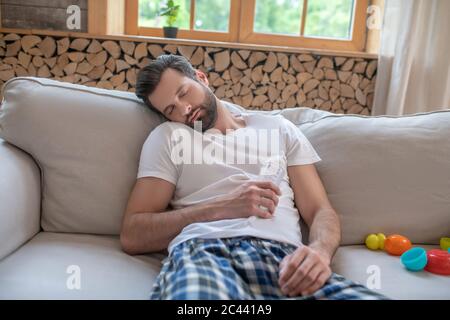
(223, 192)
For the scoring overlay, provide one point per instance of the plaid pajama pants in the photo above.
(238, 268)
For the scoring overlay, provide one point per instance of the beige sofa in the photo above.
(69, 157)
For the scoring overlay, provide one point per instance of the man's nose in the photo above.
(187, 109)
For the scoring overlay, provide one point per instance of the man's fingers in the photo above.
(268, 185)
(299, 275)
(310, 280)
(286, 273)
(259, 211)
(285, 260)
(269, 194)
(319, 283)
(269, 204)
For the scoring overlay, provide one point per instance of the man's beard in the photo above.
(209, 108)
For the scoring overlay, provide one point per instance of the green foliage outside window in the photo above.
(325, 18)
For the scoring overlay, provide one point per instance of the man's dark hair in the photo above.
(149, 76)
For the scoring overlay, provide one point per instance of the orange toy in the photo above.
(397, 244)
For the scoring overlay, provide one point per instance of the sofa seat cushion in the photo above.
(357, 263)
(38, 270)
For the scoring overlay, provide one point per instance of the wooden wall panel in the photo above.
(254, 79)
(41, 14)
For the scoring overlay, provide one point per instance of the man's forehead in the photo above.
(172, 74)
(169, 77)
(167, 86)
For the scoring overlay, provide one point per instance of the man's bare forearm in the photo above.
(325, 232)
(151, 232)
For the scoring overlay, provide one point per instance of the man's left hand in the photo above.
(304, 271)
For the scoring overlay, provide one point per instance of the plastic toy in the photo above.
(396, 244)
(438, 262)
(414, 259)
(381, 240)
(375, 241)
(372, 242)
(445, 243)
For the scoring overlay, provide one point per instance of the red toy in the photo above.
(438, 262)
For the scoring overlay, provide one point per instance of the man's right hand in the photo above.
(246, 200)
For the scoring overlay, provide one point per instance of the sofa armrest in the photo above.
(20, 198)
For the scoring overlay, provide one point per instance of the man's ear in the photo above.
(201, 76)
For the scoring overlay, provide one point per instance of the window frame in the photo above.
(241, 29)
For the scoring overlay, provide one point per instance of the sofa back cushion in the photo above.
(388, 174)
(87, 143)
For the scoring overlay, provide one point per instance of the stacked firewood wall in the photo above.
(253, 79)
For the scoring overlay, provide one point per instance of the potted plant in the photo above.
(171, 14)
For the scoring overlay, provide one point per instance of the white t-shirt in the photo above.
(200, 174)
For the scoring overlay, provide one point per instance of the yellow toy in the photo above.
(445, 243)
(375, 241)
